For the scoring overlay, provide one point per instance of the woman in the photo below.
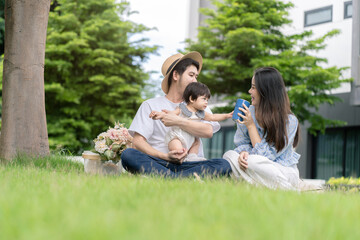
(265, 139)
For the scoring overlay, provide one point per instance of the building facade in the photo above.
(337, 152)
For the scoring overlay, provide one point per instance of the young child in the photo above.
(196, 96)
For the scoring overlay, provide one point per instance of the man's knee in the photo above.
(127, 155)
(222, 166)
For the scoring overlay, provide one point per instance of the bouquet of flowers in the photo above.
(112, 143)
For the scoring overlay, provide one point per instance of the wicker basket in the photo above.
(94, 165)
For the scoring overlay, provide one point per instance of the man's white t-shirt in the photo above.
(154, 130)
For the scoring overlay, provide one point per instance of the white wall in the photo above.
(338, 50)
(195, 18)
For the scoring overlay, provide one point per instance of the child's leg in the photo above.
(195, 146)
(193, 152)
(175, 144)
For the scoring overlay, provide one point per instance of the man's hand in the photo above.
(243, 157)
(170, 119)
(177, 156)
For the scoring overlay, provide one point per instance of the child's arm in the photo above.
(156, 115)
(217, 116)
(159, 115)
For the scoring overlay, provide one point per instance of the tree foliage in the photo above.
(242, 35)
(93, 75)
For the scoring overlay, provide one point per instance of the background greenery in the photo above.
(93, 73)
(242, 35)
(346, 184)
(52, 198)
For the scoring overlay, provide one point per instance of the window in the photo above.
(348, 9)
(318, 16)
(337, 153)
(221, 142)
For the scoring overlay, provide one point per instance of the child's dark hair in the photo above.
(195, 90)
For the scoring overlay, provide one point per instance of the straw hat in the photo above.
(171, 62)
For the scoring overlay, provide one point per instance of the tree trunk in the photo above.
(24, 129)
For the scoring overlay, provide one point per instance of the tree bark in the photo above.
(24, 129)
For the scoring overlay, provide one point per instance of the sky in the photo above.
(170, 17)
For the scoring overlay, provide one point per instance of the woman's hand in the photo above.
(246, 116)
(243, 157)
(250, 125)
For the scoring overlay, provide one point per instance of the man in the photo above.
(151, 154)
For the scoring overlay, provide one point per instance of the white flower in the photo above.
(118, 125)
(102, 136)
(100, 146)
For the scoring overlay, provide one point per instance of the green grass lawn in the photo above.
(54, 199)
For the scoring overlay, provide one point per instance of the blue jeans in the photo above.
(135, 162)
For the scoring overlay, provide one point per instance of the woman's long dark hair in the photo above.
(274, 107)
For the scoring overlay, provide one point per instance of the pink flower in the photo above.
(114, 141)
(119, 135)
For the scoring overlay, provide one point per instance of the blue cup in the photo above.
(239, 104)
